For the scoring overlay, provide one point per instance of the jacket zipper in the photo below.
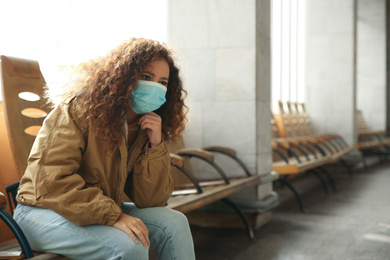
(121, 180)
(133, 146)
(128, 159)
(127, 146)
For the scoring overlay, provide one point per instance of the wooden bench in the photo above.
(372, 141)
(209, 191)
(290, 164)
(20, 75)
(287, 164)
(212, 189)
(297, 149)
(294, 122)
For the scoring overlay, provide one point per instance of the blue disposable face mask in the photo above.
(148, 96)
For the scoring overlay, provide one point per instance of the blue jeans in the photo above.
(47, 231)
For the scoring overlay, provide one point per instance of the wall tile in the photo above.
(188, 24)
(193, 134)
(216, 41)
(371, 63)
(235, 74)
(232, 23)
(199, 74)
(230, 124)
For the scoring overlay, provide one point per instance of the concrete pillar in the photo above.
(387, 15)
(371, 62)
(224, 46)
(330, 67)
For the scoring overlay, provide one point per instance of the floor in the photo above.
(351, 223)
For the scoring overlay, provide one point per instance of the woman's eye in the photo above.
(145, 77)
(164, 83)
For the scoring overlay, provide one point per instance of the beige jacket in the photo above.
(70, 173)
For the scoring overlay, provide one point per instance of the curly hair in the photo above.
(104, 88)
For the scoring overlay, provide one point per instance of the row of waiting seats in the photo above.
(375, 142)
(297, 149)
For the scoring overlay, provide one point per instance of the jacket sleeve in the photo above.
(150, 184)
(54, 162)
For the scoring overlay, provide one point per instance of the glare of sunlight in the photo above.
(28, 96)
(65, 32)
(384, 225)
(376, 237)
(288, 51)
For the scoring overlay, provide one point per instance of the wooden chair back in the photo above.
(283, 121)
(275, 128)
(294, 121)
(22, 87)
(306, 120)
(361, 123)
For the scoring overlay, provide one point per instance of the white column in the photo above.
(371, 63)
(224, 46)
(330, 67)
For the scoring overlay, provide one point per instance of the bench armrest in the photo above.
(200, 153)
(221, 149)
(205, 156)
(177, 160)
(230, 153)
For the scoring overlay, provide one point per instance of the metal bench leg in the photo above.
(330, 178)
(26, 249)
(248, 226)
(365, 165)
(297, 196)
(349, 168)
(323, 182)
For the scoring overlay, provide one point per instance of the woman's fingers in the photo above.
(149, 125)
(140, 235)
(150, 117)
(144, 237)
(134, 227)
(152, 123)
(139, 228)
(131, 235)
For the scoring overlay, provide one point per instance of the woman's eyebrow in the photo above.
(148, 72)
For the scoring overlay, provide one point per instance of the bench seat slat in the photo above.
(294, 168)
(11, 255)
(211, 194)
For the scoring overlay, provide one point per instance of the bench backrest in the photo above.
(361, 123)
(24, 108)
(293, 120)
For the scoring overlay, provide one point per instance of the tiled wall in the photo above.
(224, 47)
(331, 93)
(330, 67)
(216, 42)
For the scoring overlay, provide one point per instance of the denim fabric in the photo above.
(47, 231)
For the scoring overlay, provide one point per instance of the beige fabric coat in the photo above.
(70, 173)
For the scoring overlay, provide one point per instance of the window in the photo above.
(59, 33)
(288, 51)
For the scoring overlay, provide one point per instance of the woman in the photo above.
(105, 139)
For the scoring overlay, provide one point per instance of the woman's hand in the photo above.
(133, 226)
(152, 123)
